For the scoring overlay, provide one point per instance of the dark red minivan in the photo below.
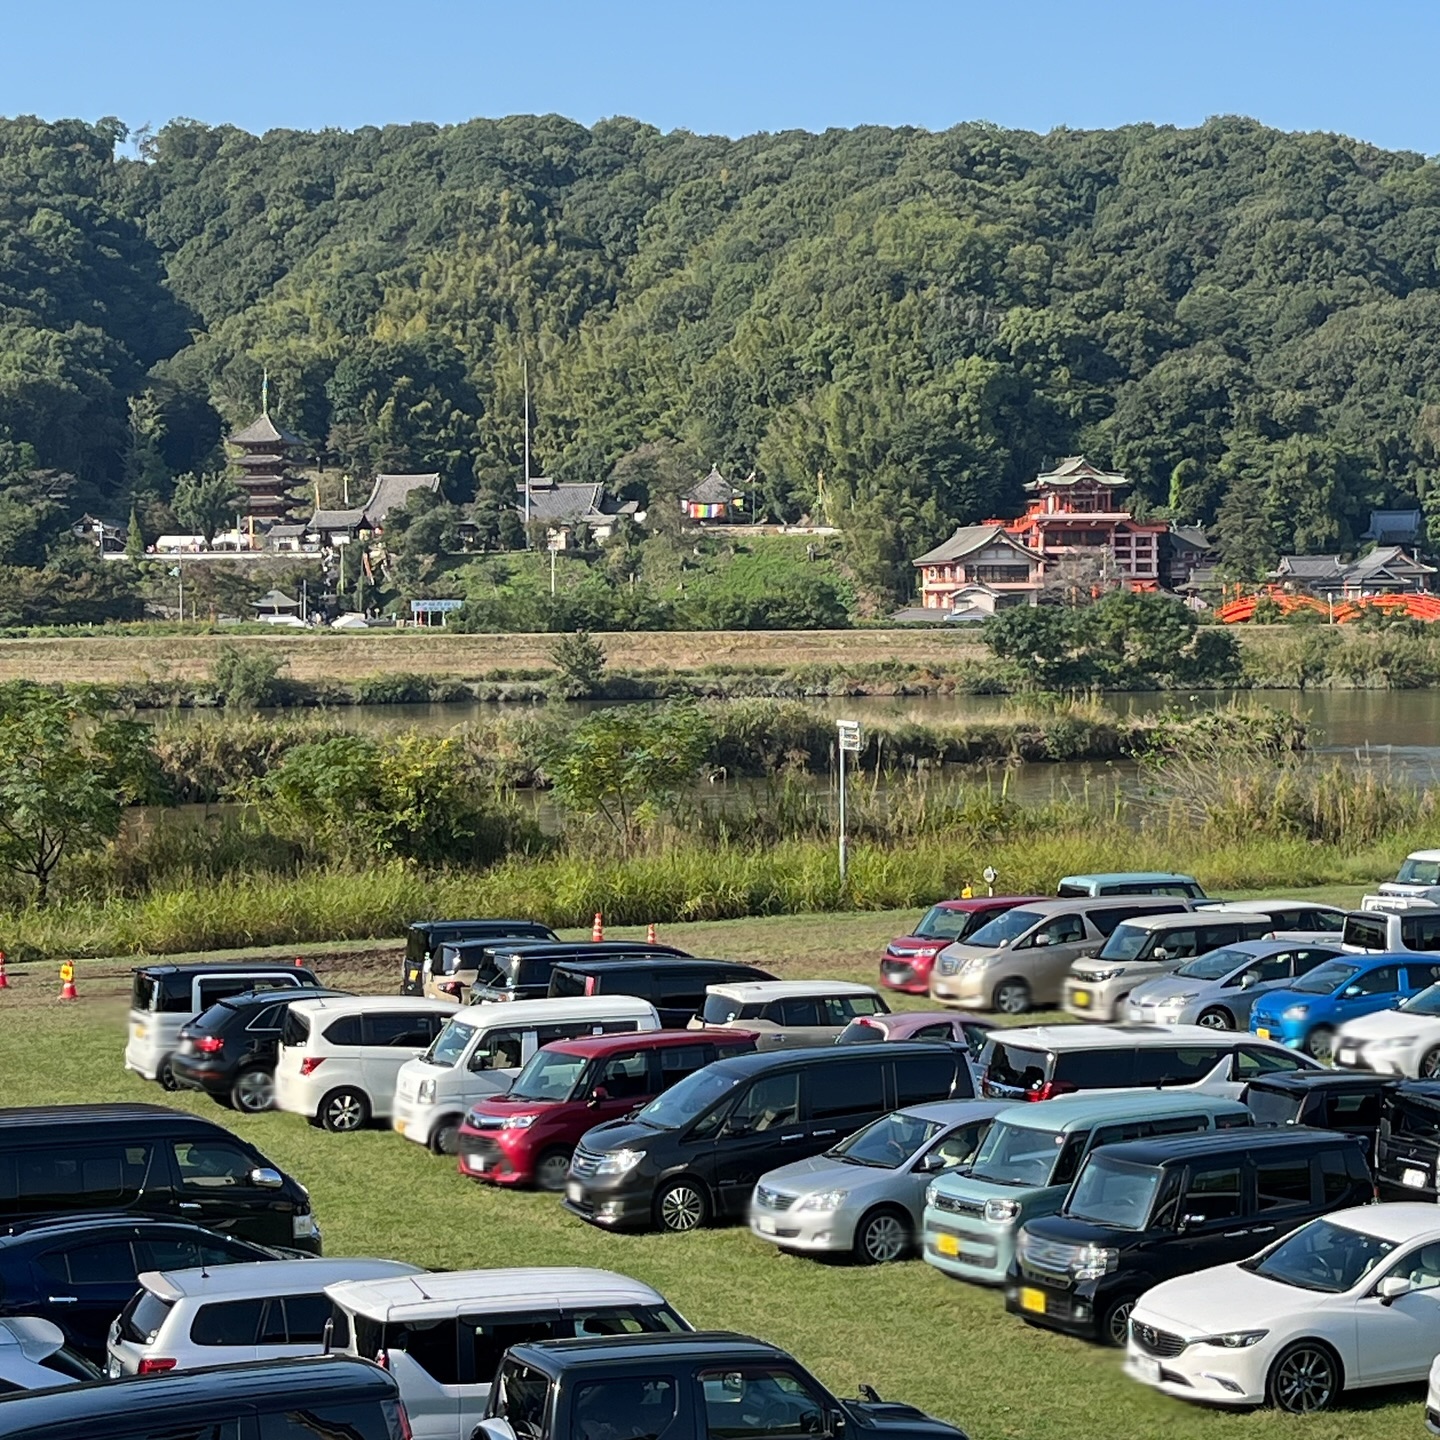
(525, 1136)
(908, 959)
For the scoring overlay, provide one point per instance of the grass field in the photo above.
(910, 1331)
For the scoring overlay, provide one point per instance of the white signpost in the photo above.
(849, 738)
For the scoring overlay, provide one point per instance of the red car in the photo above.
(526, 1136)
(906, 963)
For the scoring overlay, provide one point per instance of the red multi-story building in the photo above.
(1077, 511)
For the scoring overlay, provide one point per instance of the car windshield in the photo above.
(1113, 1192)
(942, 924)
(550, 1075)
(1125, 942)
(449, 1045)
(1326, 979)
(888, 1142)
(1017, 1155)
(1427, 1002)
(1003, 929)
(1272, 1107)
(687, 1100)
(1419, 872)
(1216, 965)
(1321, 1256)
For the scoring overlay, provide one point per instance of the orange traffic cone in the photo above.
(597, 930)
(299, 961)
(650, 934)
(67, 982)
(4, 979)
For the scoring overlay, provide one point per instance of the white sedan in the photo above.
(1347, 1301)
(1402, 1041)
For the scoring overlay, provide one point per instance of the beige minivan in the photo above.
(1021, 958)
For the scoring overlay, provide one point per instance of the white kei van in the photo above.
(339, 1056)
(442, 1336)
(482, 1049)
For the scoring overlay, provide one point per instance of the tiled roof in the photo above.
(390, 492)
(1386, 557)
(1074, 468)
(714, 489)
(274, 600)
(336, 520)
(264, 431)
(560, 504)
(1310, 567)
(285, 532)
(1393, 525)
(966, 540)
(1191, 535)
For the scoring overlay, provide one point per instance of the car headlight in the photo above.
(524, 1122)
(1178, 1002)
(1099, 977)
(1093, 1261)
(1388, 1042)
(932, 1194)
(1295, 1012)
(426, 1093)
(1235, 1339)
(824, 1201)
(1001, 1212)
(973, 964)
(619, 1162)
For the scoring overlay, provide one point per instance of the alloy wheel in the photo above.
(1304, 1380)
(1430, 1064)
(344, 1111)
(1117, 1323)
(1012, 998)
(1320, 1043)
(166, 1076)
(883, 1238)
(253, 1091)
(1215, 1020)
(551, 1170)
(682, 1208)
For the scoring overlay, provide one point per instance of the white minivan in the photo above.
(339, 1056)
(256, 1310)
(483, 1048)
(442, 1335)
(166, 998)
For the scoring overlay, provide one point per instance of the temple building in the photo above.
(264, 468)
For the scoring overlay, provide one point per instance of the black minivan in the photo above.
(521, 971)
(1149, 1210)
(1407, 1148)
(148, 1160)
(425, 937)
(695, 1152)
(329, 1395)
(675, 987)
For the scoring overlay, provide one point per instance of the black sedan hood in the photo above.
(892, 1418)
(621, 1135)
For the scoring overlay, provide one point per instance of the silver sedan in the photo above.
(866, 1196)
(1218, 989)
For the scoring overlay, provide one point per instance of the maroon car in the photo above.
(957, 1027)
(905, 965)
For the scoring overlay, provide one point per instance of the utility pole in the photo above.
(848, 733)
(525, 374)
(552, 570)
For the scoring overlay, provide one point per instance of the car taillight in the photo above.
(868, 1023)
(404, 1431)
(589, 984)
(208, 1044)
(382, 1359)
(310, 1064)
(1050, 1089)
(451, 987)
(154, 1365)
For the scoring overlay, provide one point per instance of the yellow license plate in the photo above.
(1262, 1032)
(140, 1031)
(399, 1127)
(1032, 1299)
(1080, 997)
(947, 1245)
(414, 974)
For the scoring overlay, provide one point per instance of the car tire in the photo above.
(682, 1206)
(166, 1076)
(1304, 1379)
(1011, 997)
(1217, 1017)
(1429, 1068)
(253, 1091)
(1114, 1327)
(344, 1110)
(1320, 1043)
(551, 1169)
(882, 1236)
(446, 1137)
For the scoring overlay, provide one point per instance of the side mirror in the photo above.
(264, 1178)
(1041, 939)
(1186, 1221)
(736, 1125)
(1247, 980)
(597, 1096)
(933, 1161)
(1351, 991)
(1392, 1287)
(1159, 953)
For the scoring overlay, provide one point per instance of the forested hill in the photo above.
(1246, 321)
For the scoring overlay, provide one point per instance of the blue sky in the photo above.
(1361, 69)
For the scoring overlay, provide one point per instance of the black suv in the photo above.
(425, 937)
(696, 1151)
(684, 1387)
(331, 1395)
(1149, 1210)
(230, 1050)
(1407, 1149)
(80, 1271)
(521, 970)
(675, 987)
(1344, 1100)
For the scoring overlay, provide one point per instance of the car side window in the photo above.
(1179, 944)
(522, 1397)
(344, 1031)
(1271, 967)
(1383, 980)
(940, 1031)
(626, 1076)
(1252, 1062)
(268, 1020)
(959, 1147)
(1357, 1110)
(854, 1089)
(625, 1408)
(306, 1317)
(395, 1029)
(227, 1322)
(799, 1010)
(1212, 1194)
(211, 1165)
(1307, 960)
(326, 1420)
(1071, 1154)
(1062, 930)
(1280, 1184)
(1420, 976)
(106, 1262)
(432, 1345)
(767, 1104)
(1178, 1065)
(497, 1050)
(65, 1179)
(759, 1400)
(678, 1061)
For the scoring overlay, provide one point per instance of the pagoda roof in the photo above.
(714, 489)
(274, 600)
(263, 431)
(1074, 470)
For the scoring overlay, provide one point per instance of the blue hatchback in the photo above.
(1305, 1015)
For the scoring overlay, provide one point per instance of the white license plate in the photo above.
(574, 1192)
(1413, 1177)
(764, 1224)
(475, 1162)
(1147, 1369)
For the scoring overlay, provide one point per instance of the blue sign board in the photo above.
(434, 607)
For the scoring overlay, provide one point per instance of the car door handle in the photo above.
(785, 1139)
(1235, 1234)
(1263, 1230)
(64, 1299)
(188, 1205)
(821, 1134)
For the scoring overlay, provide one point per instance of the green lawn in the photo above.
(910, 1331)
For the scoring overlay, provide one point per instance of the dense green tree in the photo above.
(204, 503)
